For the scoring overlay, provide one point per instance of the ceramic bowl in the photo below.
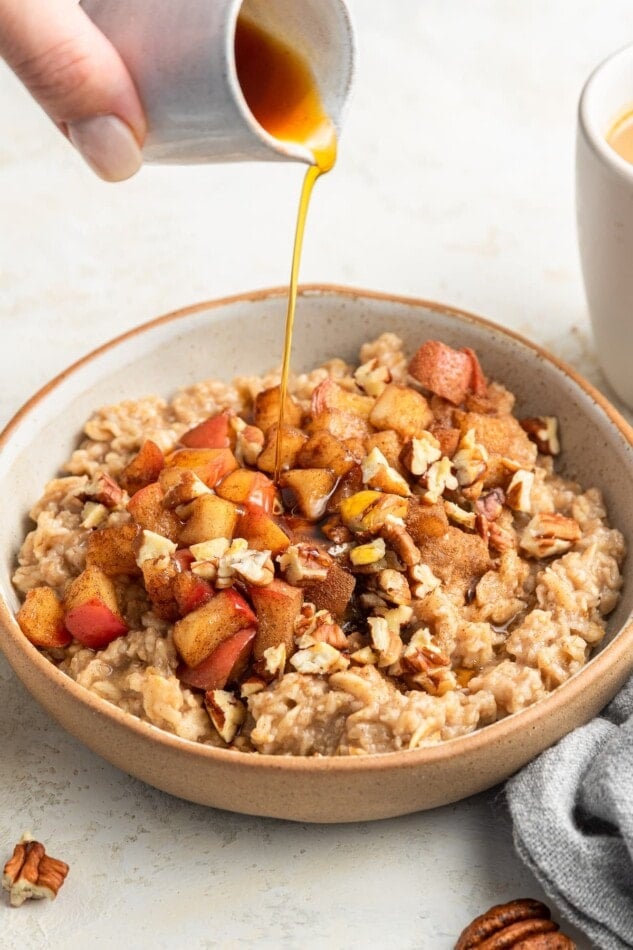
(243, 335)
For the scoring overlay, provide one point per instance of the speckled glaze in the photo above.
(208, 341)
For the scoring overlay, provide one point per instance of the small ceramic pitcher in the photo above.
(181, 56)
(604, 204)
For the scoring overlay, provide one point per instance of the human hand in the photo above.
(78, 78)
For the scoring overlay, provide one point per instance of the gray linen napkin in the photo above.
(572, 812)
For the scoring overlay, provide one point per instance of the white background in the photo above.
(455, 182)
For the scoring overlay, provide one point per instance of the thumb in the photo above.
(80, 80)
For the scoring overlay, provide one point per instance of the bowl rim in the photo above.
(507, 728)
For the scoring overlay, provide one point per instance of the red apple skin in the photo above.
(262, 494)
(227, 662)
(94, 624)
(200, 632)
(191, 592)
(185, 558)
(214, 433)
(252, 488)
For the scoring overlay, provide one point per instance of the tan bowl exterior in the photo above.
(598, 447)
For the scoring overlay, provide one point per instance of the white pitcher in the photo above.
(180, 54)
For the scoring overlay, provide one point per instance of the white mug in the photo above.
(180, 54)
(604, 207)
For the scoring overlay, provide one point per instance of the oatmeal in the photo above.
(418, 572)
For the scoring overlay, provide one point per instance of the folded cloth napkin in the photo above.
(572, 814)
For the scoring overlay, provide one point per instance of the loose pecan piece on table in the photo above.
(523, 924)
(30, 872)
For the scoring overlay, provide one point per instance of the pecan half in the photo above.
(543, 430)
(524, 923)
(30, 872)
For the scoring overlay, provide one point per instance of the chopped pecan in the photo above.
(394, 586)
(549, 533)
(30, 872)
(104, 490)
(501, 539)
(385, 639)
(460, 516)
(518, 923)
(543, 430)
(401, 541)
(372, 377)
(471, 459)
(226, 712)
(519, 491)
(321, 657)
(419, 453)
(421, 655)
(304, 563)
(335, 531)
(438, 479)
(378, 473)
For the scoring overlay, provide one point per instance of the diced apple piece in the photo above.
(143, 469)
(402, 409)
(348, 485)
(159, 575)
(147, 509)
(277, 607)
(91, 610)
(261, 532)
(312, 488)
(446, 372)
(113, 549)
(198, 634)
(329, 395)
(191, 591)
(501, 435)
(342, 425)
(323, 450)
(210, 465)
(267, 406)
(41, 619)
(426, 521)
(390, 444)
(292, 440)
(213, 433)
(180, 486)
(208, 517)
(457, 558)
(448, 437)
(248, 488)
(227, 662)
(332, 594)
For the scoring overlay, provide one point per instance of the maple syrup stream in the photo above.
(283, 96)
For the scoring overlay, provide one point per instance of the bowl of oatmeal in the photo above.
(389, 596)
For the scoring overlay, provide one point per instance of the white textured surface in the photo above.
(455, 182)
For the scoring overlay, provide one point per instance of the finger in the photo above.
(78, 77)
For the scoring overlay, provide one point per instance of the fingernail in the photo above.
(108, 145)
